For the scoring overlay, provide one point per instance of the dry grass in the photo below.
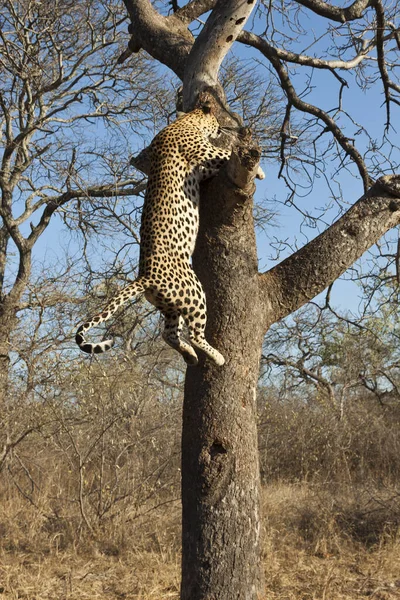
(71, 576)
(42, 559)
(319, 544)
(313, 550)
(145, 565)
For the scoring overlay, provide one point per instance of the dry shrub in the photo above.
(301, 442)
(313, 549)
(101, 454)
(135, 559)
(323, 519)
(89, 502)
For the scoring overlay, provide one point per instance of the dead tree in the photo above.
(58, 75)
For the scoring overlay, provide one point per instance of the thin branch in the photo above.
(307, 272)
(194, 9)
(310, 61)
(55, 203)
(307, 373)
(272, 55)
(8, 446)
(284, 137)
(342, 15)
(380, 30)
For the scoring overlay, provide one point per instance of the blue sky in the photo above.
(366, 106)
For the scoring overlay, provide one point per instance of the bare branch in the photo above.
(307, 373)
(166, 39)
(9, 222)
(380, 31)
(309, 271)
(350, 13)
(284, 136)
(10, 445)
(211, 46)
(52, 204)
(272, 55)
(310, 61)
(194, 9)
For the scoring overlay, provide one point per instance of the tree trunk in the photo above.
(220, 471)
(7, 325)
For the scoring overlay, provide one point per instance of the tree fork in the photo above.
(220, 471)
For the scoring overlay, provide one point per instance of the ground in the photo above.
(319, 543)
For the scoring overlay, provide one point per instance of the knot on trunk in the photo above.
(216, 466)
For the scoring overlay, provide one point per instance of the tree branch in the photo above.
(342, 15)
(167, 39)
(272, 55)
(54, 203)
(10, 445)
(246, 37)
(380, 31)
(211, 46)
(8, 220)
(194, 9)
(298, 365)
(306, 273)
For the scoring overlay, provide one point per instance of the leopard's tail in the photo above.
(133, 290)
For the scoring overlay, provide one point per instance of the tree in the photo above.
(221, 528)
(335, 359)
(61, 87)
(59, 74)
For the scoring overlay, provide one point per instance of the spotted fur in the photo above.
(181, 156)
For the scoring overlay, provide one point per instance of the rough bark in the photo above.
(9, 302)
(342, 15)
(167, 39)
(7, 326)
(220, 476)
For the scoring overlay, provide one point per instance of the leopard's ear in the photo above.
(206, 101)
(206, 107)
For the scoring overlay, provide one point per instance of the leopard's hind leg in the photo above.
(172, 335)
(194, 313)
(197, 338)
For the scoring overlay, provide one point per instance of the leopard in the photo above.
(180, 157)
